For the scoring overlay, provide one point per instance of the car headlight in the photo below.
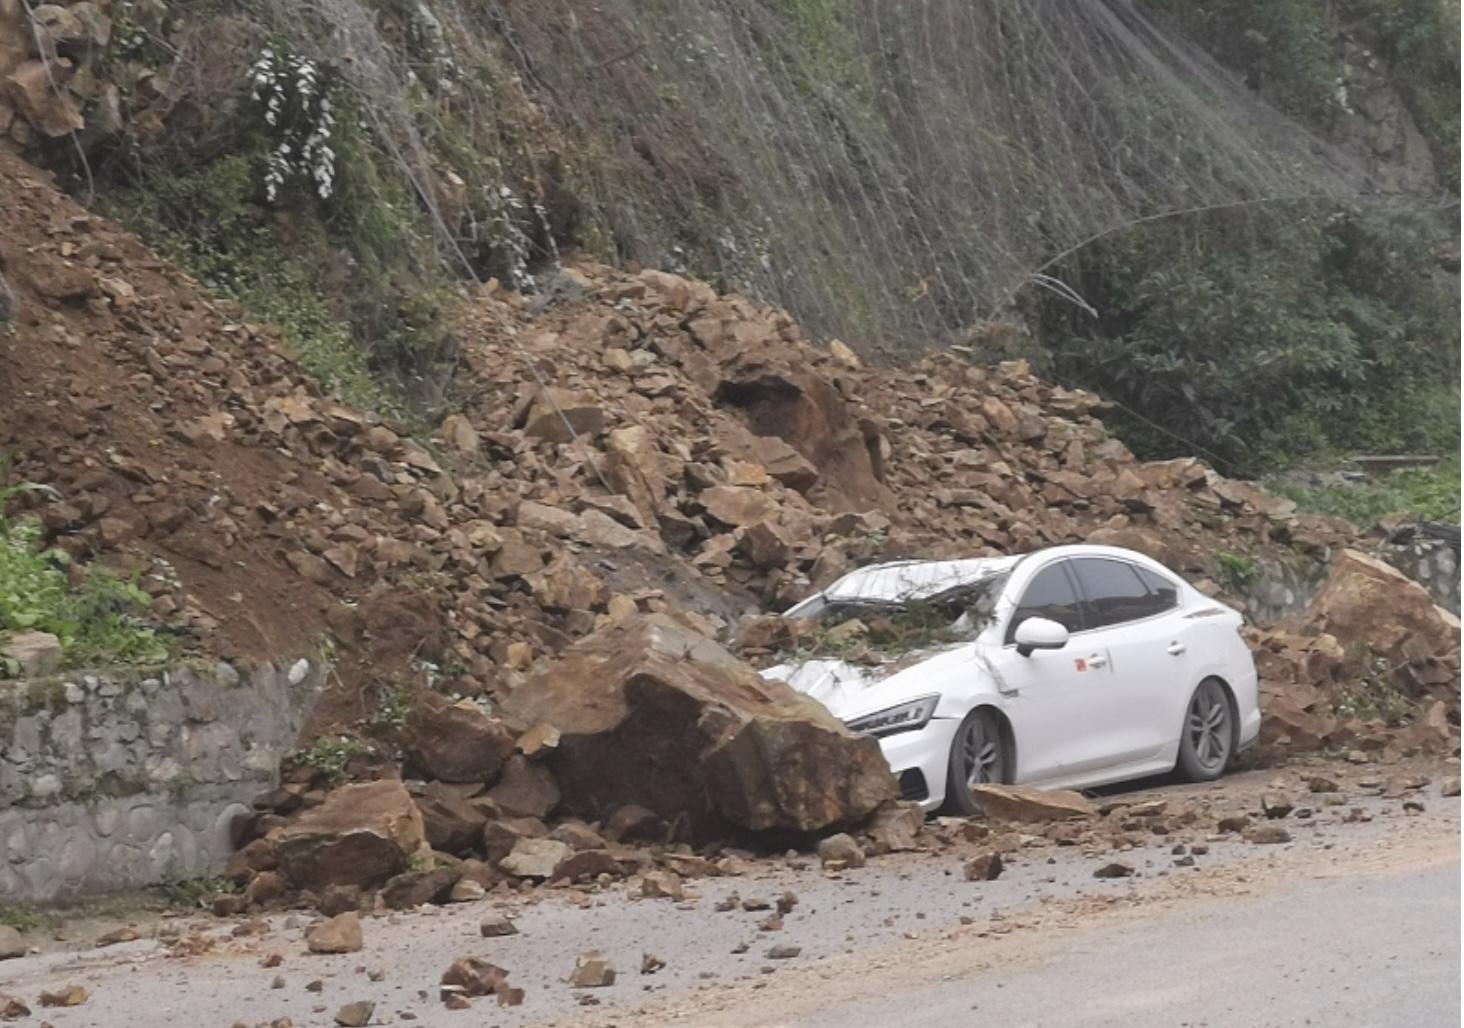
(902, 718)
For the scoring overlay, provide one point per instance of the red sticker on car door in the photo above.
(1082, 664)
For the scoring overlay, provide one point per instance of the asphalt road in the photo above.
(1369, 952)
(1354, 923)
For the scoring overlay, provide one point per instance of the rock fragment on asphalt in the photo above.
(984, 867)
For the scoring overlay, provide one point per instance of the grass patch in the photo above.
(26, 918)
(97, 620)
(1422, 494)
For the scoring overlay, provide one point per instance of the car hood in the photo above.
(852, 690)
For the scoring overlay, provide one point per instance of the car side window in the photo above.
(1114, 592)
(1050, 595)
(1163, 588)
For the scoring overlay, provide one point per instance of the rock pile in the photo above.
(632, 444)
(1372, 665)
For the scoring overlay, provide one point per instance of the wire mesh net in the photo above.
(885, 170)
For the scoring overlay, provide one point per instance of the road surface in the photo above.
(1354, 923)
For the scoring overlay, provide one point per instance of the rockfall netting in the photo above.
(884, 170)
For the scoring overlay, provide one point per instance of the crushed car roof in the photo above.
(905, 580)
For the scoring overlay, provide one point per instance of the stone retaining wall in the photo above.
(110, 782)
(1432, 563)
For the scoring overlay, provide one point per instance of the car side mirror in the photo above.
(1039, 634)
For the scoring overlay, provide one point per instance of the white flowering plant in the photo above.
(292, 94)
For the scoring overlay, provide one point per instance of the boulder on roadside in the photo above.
(1365, 601)
(652, 714)
(457, 742)
(1030, 806)
(363, 834)
(339, 934)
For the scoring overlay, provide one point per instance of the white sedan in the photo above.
(1070, 667)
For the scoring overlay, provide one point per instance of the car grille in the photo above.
(912, 785)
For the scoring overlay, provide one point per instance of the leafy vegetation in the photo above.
(1425, 494)
(1288, 50)
(1265, 336)
(98, 619)
(188, 893)
(330, 755)
(1235, 571)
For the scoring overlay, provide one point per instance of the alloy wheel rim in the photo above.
(980, 753)
(1209, 726)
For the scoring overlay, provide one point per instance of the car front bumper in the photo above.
(926, 750)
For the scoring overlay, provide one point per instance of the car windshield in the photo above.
(874, 627)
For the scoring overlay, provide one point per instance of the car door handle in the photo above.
(1097, 661)
(1176, 648)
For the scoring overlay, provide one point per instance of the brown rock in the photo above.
(1026, 805)
(46, 109)
(662, 885)
(984, 867)
(784, 952)
(1115, 869)
(551, 409)
(1235, 823)
(495, 927)
(451, 823)
(361, 835)
(650, 963)
(715, 740)
(1368, 602)
(339, 934)
(1449, 786)
(417, 888)
(566, 584)
(68, 996)
(634, 823)
(355, 1015)
(338, 899)
(457, 742)
(633, 469)
(501, 836)
(458, 432)
(840, 850)
(1267, 835)
(475, 977)
(525, 789)
(12, 1008)
(1320, 783)
(12, 945)
(895, 828)
(534, 858)
(592, 971)
(737, 505)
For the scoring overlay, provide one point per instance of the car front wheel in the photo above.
(1209, 733)
(978, 754)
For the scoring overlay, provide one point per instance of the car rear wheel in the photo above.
(1209, 733)
(978, 754)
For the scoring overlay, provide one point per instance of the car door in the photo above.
(1132, 614)
(1050, 695)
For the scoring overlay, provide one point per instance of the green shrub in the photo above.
(1426, 494)
(97, 621)
(1266, 336)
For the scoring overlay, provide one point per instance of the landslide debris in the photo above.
(507, 600)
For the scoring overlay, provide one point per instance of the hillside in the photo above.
(719, 465)
(1231, 219)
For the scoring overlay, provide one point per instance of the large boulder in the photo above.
(363, 834)
(1370, 603)
(650, 713)
(457, 742)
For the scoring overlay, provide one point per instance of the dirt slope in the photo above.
(720, 464)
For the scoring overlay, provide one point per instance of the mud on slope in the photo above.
(718, 464)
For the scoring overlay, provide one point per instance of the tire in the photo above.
(1207, 741)
(981, 735)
